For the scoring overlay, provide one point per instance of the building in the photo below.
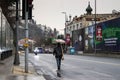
(79, 25)
(6, 37)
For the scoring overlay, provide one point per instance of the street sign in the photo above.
(26, 45)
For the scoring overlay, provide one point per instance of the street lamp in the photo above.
(65, 21)
(65, 25)
(65, 16)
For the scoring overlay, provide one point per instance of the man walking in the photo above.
(58, 52)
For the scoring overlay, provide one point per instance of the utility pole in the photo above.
(66, 19)
(16, 59)
(65, 30)
(26, 35)
(26, 14)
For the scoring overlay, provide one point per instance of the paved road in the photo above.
(78, 67)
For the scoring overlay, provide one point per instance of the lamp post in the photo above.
(95, 27)
(26, 35)
(65, 26)
(65, 21)
(65, 16)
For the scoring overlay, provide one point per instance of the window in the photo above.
(80, 24)
(77, 26)
(73, 27)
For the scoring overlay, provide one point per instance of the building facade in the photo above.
(6, 34)
(79, 28)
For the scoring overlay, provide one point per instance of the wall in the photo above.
(6, 35)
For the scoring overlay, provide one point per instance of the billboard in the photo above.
(98, 32)
(108, 35)
(67, 39)
(78, 39)
(89, 39)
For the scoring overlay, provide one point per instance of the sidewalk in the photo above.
(10, 72)
(112, 55)
(20, 69)
(6, 66)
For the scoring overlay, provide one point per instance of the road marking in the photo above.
(115, 64)
(97, 61)
(99, 73)
(36, 57)
(46, 64)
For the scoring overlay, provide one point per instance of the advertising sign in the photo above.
(108, 35)
(89, 41)
(68, 39)
(99, 33)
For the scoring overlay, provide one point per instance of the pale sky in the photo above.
(49, 12)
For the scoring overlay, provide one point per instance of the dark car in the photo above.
(38, 50)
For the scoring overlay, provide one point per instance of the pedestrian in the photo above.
(58, 53)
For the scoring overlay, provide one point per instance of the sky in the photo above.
(49, 12)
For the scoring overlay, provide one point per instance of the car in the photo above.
(48, 50)
(38, 50)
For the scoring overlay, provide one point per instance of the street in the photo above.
(77, 67)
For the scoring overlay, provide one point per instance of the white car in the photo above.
(48, 50)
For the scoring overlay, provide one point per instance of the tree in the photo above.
(7, 11)
(6, 6)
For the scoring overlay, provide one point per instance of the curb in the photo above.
(20, 69)
(101, 55)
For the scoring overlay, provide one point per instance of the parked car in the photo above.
(38, 50)
(48, 50)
